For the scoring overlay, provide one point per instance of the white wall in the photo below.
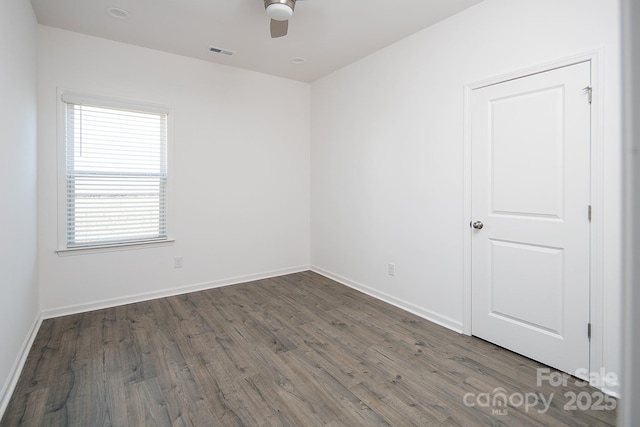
(240, 181)
(387, 151)
(18, 174)
(630, 410)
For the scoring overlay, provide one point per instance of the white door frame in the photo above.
(597, 194)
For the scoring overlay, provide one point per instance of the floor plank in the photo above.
(295, 350)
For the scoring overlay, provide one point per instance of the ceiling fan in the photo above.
(279, 11)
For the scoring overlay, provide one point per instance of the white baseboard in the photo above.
(404, 305)
(610, 388)
(113, 302)
(10, 385)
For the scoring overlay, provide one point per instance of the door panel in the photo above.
(519, 301)
(530, 189)
(535, 161)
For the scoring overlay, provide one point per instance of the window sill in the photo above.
(114, 248)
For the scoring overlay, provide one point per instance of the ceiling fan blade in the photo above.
(279, 28)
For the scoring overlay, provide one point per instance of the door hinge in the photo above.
(589, 91)
(589, 213)
(589, 330)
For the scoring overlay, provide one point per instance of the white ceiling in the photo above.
(329, 34)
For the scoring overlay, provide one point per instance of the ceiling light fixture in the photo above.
(297, 60)
(116, 12)
(280, 10)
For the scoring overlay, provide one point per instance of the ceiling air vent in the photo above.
(221, 51)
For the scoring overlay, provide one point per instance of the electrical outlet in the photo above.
(177, 262)
(391, 269)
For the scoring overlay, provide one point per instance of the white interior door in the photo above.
(531, 195)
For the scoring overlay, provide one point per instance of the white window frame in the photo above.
(65, 96)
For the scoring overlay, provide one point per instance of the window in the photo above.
(115, 173)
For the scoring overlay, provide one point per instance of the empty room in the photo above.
(313, 212)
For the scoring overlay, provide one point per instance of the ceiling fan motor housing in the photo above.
(280, 10)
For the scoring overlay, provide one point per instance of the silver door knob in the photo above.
(477, 225)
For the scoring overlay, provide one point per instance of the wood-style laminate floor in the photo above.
(297, 350)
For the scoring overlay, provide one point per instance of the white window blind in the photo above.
(116, 175)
